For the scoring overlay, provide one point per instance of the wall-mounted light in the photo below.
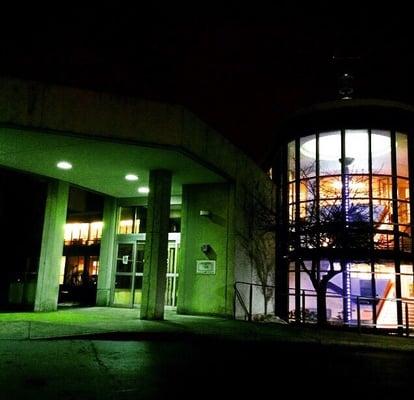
(205, 213)
(205, 248)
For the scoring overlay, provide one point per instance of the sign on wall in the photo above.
(206, 267)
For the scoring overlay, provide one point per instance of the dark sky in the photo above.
(242, 71)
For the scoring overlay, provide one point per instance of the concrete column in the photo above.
(47, 289)
(156, 245)
(106, 265)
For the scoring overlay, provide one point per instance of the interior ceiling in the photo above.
(98, 165)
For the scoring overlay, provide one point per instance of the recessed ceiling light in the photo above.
(64, 165)
(131, 177)
(143, 189)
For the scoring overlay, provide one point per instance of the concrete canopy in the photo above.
(98, 165)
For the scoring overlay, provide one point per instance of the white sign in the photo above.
(125, 259)
(206, 267)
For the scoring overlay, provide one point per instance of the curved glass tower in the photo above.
(346, 226)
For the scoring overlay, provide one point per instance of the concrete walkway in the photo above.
(124, 324)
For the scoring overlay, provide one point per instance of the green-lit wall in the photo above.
(198, 293)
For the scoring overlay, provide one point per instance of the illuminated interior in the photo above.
(83, 233)
(349, 211)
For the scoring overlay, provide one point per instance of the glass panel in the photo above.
(307, 156)
(382, 187)
(407, 289)
(124, 265)
(329, 153)
(385, 292)
(292, 193)
(122, 292)
(382, 210)
(381, 152)
(356, 151)
(139, 260)
(307, 189)
(403, 212)
(358, 186)
(74, 270)
(384, 240)
(358, 211)
(95, 232)
(292, 304)
(330, 187)
(361, 286)
(403, 189)
(126, 217)
(291, 161)
(129, 220)
(334, 299)
(406, 241)
(292, 213)
(124, 258)
(310, 301)
(93, 267)
(402, 154)
(308, 211)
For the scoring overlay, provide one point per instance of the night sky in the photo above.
(240, 70)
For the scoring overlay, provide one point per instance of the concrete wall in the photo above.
(207, 294)
(25, 104)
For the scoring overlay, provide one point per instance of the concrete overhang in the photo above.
(106, 136)
(98, 165)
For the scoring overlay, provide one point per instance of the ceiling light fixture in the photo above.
(143, 189)
(131, 177)
(64, 165)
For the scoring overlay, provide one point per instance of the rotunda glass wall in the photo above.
(350, 244)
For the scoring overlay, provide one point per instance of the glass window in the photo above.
(291, 161)
(292, 193)
(95, 232)
(381, 152)
(403, 212)
(330, 153)
(402, 154)
(356, 151)
(358, 186)
(308, 156)
(330, 187)
(382, 187)
(132, 220)
(307, 189)
(403, 189)
(407, 289)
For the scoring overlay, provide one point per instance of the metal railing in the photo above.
(307, 310)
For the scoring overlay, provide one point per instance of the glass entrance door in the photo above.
(128, 275)
(130, 269)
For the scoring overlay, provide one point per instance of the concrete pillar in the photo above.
(106, 265)
(47, 289)
(156, 245)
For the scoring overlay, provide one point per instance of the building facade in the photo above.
(345, 199)
(173, 193)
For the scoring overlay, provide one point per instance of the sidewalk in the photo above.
(124, 324)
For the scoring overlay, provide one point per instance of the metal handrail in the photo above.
(405, 302)
(242, 303)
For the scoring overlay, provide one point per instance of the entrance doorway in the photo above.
(130, 270)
